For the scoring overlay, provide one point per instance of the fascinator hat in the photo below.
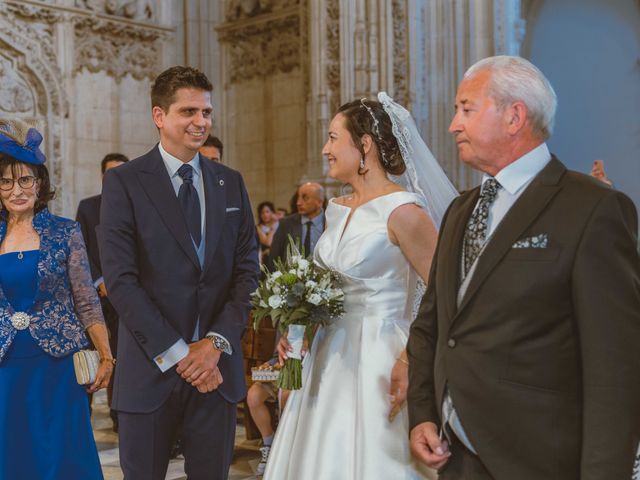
(21, 141)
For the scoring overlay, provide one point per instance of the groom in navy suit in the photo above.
(180, 259)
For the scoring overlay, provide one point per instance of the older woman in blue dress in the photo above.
(47, 302)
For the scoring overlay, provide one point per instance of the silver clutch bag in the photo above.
(85, 364)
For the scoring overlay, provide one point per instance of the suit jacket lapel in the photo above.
(523, 212)
(453, 238)
(156, 182)
(298, 230)
(215, 201)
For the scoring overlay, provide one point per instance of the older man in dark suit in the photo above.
(88, 215)
(525, 350)
(180, 260)
(304, 227)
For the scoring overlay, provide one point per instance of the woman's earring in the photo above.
(362, 163)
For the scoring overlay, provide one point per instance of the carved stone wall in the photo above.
(81, 71)
(264, 48)
(446, 38)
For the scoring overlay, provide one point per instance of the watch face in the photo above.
(218, 343)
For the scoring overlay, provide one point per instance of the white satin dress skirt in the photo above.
(336, 427)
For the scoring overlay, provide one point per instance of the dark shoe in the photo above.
(177, 449)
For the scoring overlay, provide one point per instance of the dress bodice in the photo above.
(375, 272)
(19, 278)
(19, 284)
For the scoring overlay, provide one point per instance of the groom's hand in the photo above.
(209, 383)
(200, 364)
(427, 446)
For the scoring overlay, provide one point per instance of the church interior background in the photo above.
(82, 70)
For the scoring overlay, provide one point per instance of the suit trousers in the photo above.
(208, 433)
(463, 464)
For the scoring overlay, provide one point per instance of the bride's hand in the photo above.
(398, 387)
(284, 347)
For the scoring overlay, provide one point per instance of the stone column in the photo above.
(450, 36)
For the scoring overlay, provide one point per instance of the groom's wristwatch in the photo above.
(219, 343)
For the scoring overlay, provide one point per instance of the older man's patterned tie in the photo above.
(476, 233)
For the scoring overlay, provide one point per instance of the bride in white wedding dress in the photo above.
(348, 422)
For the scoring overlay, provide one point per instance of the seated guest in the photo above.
(47, 303)
(88, 216)
(212, 148)
(266, 228)
(259, 394)
(305, 227)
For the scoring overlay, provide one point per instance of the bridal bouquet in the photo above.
(298, 296)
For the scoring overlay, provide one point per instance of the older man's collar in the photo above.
(519, 173)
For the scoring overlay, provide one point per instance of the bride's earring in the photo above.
(362, 163)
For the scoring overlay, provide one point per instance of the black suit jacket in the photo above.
(291, 225)
(155, 280)
(541, 357)
(88, 215)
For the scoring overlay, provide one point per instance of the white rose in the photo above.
(295, 259)
(292, 271)
(303, 264)
(311, 284)
(314, 299)
(275, 301)
(275, 275)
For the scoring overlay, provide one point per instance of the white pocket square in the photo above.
(536, 241)
(233, 209)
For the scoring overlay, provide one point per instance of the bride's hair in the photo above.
(368, 117)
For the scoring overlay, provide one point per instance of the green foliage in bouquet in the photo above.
(297, 292)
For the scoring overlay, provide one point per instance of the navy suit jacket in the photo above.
(155, 280)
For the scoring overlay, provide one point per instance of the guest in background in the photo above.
(293, 202)
(47, 302)
(597, 171)
(212, 148)
(266, 228)
(305, 227)
(281, 212)
(88, 216)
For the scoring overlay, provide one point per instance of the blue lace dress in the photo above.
(45, 431)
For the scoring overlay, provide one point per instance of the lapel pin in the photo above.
(221, 182)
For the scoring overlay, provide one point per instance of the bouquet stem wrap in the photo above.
(291, 374)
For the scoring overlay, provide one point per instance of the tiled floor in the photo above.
(246, 455)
